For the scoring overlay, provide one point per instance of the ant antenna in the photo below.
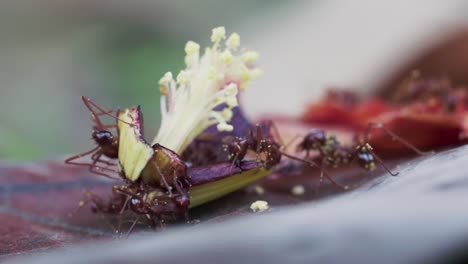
(90, 104)
(394, 137)
(291, 141)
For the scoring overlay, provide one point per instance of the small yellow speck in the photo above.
(81, 203)
(259, 206)
(298, 190)
(259, 190)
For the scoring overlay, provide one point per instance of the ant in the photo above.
(107, 143)
(434, 92)
(262, 142)
(333, 153)
(173, 174)
(151, 194)
(144, 200)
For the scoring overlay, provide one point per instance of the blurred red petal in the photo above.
(426, 125)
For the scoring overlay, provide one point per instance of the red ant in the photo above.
(107, 143)
(266, 145)
(333, 153)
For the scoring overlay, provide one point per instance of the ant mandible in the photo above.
(107, 143)
(332, 153)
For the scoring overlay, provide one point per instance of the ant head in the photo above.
(365, 159)
(103, 137)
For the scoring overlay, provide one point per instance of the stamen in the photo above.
(210, 80)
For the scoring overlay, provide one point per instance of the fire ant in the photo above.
(333, 153)
(263, 142)
(107, 143)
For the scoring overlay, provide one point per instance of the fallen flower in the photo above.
(158, 183)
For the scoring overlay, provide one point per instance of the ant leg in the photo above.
(237, 162)
(394, 137)
(107, 112)
(184, 202)
(153, 223)
(323, 172)
(381, 161)
(90, 104)
(71, 159)
(106, 127)
(260, 142)
(90, 166)
(132, 227)
(108, 163)
(163, 178)
(93, 168)
(122, 210)
(238, 158)
(276, 132)
(97, 157)
(317, 189)
(99, 160)
(277, 136)
(285, 147)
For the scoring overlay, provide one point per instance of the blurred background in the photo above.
(52, 52)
